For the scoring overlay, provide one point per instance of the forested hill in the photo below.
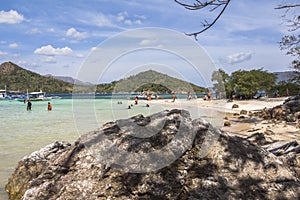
(16, 78)
(151, 81)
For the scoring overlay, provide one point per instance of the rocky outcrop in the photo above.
(164, 156)
(289, 111)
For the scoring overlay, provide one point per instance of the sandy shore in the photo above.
(217, 110)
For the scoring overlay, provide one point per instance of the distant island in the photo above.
(16, 78)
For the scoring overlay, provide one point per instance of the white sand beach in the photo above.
(220, 109)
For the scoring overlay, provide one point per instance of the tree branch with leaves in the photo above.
(291, 42)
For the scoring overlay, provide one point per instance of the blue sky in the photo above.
(56, 37)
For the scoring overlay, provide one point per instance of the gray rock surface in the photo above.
(204, 164)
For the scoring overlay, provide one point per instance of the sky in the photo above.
(60, 37)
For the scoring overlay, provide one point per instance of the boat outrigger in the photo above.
(36, 96)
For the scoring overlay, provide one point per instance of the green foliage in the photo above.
(154, 88)
(150, 81)
(16, 78)
(249, 82)
(285, 87)
(245, 83)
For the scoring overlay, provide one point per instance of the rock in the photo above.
(288, 152)
(288, 111)
(31, 167)
(243, 112)
(227, 123)
(283, 148)
(291, 118)
(250, 114)
(257, 138)
(235, 106)
(207, 164)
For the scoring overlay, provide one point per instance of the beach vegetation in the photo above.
(287, 88)
(243, 83)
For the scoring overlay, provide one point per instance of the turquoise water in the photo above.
(23, 132)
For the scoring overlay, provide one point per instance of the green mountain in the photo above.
(150, 81)
(16, 78)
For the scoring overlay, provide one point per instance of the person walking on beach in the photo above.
(29, 105)
(173, 97)
(208, 96)
(49, 106)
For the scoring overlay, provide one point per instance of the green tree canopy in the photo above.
(243, 82)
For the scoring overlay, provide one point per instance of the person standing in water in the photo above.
(29, 105)
(49, 106)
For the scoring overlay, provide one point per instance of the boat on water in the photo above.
(15, 95)
(36, 96)
(3, 94)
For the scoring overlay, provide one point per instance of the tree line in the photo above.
(245, 84)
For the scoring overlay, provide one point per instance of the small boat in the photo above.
(36, 96)
(12, 95)
(3, 94)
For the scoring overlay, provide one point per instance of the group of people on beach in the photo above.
(29, 105)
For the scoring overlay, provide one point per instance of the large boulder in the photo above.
(164, 156)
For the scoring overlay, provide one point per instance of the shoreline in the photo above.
(241, 125)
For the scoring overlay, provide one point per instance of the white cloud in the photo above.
(139, 22)
(147, 42)
(13, 45)
(94, 48)
(72, 32)
(128, 22)
(51, 51)
(11, 17)
(3, 53)
(140, 16)
(100, 20)
(34, 31)
(2, 42)
(124, 18)
(239, 57)
(51, 30)
(49, 59)
(80, 55)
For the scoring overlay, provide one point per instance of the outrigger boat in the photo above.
(3, 94)
(36, 96)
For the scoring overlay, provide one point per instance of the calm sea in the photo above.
(23, 132)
